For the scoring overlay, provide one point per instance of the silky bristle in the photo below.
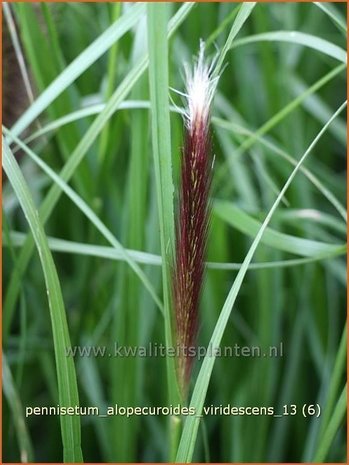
(200, 89)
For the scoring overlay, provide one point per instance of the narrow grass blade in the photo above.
(300, 38)
(216, 33)
(332, 428)
(333, 392)
(320, 110)
(189, 435)
(91, 110)
(93, 386)
(112, 69)
(161, 137)
(67, 384)
(43, 73)
(15, 405)
(241, 17)
(129, 292)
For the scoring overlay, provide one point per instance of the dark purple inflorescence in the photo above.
(193, 216)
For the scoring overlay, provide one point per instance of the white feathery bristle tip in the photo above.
(200, 90)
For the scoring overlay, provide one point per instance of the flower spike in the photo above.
(193, 212)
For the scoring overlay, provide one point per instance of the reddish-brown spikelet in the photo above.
(193, 215)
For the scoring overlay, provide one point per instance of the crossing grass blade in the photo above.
(66, 376)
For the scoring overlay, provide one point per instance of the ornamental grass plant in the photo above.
(148, 206)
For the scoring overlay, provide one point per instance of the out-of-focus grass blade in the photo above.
(93, 387)
(18, 50)
(243, 222)
(314, 216)
(127, 316)
(319, 110)
(67, 385)
(332, 13)
(333, 425)
(14, 402)
(333, 393)
(110, 253)
(79, 65)
(300, 38)
(225, 22)
(62, 245)
(189, 435)
(111, 79)
(91, 110)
